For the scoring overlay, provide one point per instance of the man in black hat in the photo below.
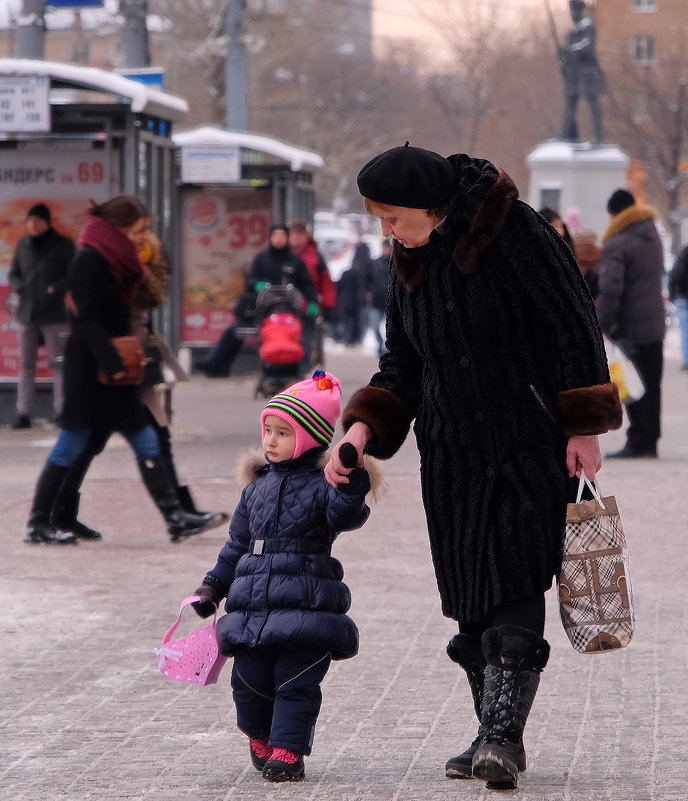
(630, 308)
(274, 266)
(38, 278)
(582, 74)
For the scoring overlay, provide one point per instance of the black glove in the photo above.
(211, 592)
(359, 482)
(348, 455)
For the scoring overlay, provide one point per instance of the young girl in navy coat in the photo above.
(286, 601)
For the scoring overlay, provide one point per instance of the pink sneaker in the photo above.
(284, 765)
(260, 752)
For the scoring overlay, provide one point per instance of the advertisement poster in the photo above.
(64, 180)
(222, 230)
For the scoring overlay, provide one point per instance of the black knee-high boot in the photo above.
(64, 517)
(180, 524)
(213, 519)
(515, 657)
(466, 650)
(38, 527)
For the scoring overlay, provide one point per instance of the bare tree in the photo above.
(649, 116)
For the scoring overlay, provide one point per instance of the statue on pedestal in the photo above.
(581, 72)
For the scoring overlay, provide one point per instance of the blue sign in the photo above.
(75, 3)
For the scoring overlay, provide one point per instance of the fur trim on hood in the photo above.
(477, 211)
(632, 214)
(252, 460)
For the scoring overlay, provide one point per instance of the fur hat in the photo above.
(407, 176)
(311, 408)
(41, 211)
(619, 201)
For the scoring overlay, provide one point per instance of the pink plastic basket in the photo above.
(195, 658)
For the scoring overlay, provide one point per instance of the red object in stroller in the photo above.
(278, 319)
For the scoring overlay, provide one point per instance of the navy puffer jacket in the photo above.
(283, 584)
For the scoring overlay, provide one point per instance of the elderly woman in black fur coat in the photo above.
(496, 354)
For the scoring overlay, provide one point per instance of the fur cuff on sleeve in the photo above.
(384, 415)
(589, 410)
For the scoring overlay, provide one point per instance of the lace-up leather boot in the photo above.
(466, 650)
(515, 657)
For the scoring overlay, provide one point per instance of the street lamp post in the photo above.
(30, 42)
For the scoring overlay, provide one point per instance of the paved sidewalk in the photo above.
(85, 714)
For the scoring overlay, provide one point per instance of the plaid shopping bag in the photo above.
(595, 597)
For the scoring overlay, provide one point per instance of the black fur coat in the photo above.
(496, 353)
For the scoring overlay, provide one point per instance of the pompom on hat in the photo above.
(311, 408)
(407, 176)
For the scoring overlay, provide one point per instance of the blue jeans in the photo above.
(70, 445)
(681, 305)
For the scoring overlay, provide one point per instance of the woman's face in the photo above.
(558, 225)
(410, 227)
(138, 232)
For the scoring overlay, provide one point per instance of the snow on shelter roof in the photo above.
(211, 135)
(142, 98)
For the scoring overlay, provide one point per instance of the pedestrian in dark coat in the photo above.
(496, 354)
(102, 282)
(351, 289)
(630, 306)
(38, 278)
(286, 602)
(376, 285)
(150, 295)
(678, 294)
(274, 266)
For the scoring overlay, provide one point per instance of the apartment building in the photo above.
(644, 32)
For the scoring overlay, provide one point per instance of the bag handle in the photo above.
(186, 602)
(593, 486)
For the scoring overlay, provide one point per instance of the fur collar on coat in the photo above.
(629, 216)
(477, 210)
(252, 461)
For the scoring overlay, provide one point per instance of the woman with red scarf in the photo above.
(102, 280)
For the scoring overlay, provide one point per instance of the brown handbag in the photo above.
(131, 353)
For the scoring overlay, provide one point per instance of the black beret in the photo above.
(619, 200)
(407, 176)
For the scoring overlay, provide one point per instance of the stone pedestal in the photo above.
(566, 174)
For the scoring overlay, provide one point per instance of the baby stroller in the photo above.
(278, 321)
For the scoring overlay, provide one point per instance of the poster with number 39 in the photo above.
(222, 230)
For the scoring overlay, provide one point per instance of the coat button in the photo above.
(450, 306)
(464, 362)
(479, 417)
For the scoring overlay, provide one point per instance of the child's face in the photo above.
(279, 440)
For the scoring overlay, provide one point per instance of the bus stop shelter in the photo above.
(70, 134)
(233, 186)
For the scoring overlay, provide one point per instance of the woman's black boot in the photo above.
(185, 498)
(39, 528)
(64, 516)
(213, 519)
(466, 650)
(515, 657)
(180, 524)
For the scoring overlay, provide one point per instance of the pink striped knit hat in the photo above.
(311, 408)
